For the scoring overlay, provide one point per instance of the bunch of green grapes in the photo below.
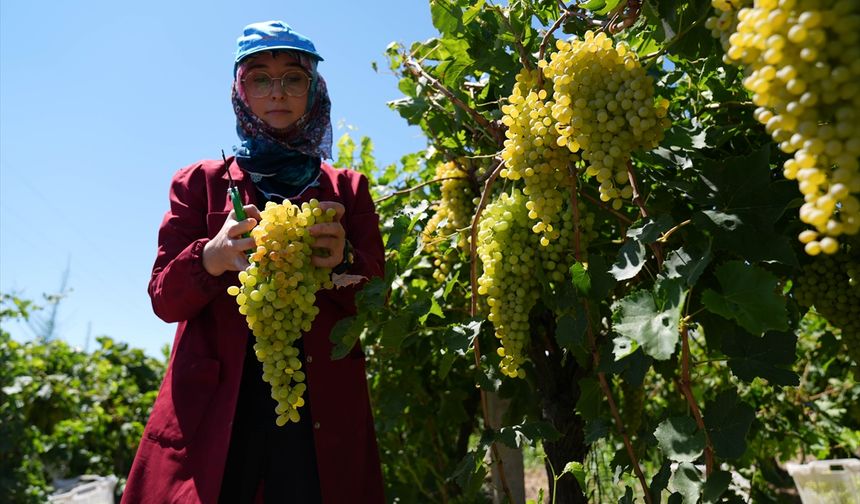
(513, 266)
(532, 153)
(453, 216)
(832, 284)
(604, 107)
(802, 66)
(723, 25)
(277, 296)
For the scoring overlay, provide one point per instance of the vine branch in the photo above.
(686, 388)
(518, 43)
(473, 278)
(495, 132)
(408, 190)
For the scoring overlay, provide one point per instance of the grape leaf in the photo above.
(446, 16)
(740, 206)
(749, 297)
(394, 330)
(716, 486)
(631, 259)
(649, 229)
(580, 278)
(728, 420)
(651, 318)
(590, 399)
(577, 470)
(686, 264)
(344, 334)
(680, 439)
(660, 481)
(687, 480)
(570, 330)
(596, 429)
(516, 436)
(770, 357)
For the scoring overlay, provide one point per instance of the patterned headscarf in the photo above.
(284, 160)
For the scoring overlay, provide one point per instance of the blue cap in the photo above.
(272, 35)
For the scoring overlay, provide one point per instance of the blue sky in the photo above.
(101, 102)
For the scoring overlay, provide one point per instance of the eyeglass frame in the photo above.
(280, 80)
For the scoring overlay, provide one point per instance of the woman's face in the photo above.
(277, 109)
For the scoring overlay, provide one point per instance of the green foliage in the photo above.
(64, 412)
(694, 282)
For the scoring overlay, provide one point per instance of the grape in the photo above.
(452, 217)
(532, 153)
(725, 24)
(277, 296)
(604, 108)
(513, 268)
(802, 65)
(831, 284)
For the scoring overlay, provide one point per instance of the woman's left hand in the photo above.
(330, 236)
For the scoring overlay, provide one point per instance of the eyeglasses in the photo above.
(293, 83)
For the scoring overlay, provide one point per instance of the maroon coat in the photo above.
(182, 454)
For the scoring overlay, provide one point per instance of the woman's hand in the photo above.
(329, 236)
(226, 251)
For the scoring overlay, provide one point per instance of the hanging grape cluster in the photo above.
(802, 64)
(277, 296)
(832, 285)
(452, 219)
(726, 22)
(604, 108)
(514, 266)
(531, 153)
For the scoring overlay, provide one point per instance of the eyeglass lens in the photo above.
(294, 83)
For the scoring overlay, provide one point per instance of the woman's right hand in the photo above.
(226, 251)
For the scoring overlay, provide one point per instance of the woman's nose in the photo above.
(278, 89)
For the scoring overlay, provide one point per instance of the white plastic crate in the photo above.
(827, 481)
(85, 490)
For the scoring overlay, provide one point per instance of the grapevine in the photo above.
(277, 296)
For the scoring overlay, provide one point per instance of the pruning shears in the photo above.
(233, 193)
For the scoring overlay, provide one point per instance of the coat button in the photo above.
(310, 359)
(316, 425)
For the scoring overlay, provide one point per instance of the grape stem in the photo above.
(408, 190)
(633, 7)
(656, 54)
(665, 237)
(595, 352)
(685, 386)
(473, 277)
(524, 56)
(418, 71)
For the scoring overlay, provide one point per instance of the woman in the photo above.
(211, 436)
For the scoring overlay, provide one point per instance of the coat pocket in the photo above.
(214, 222)
(184, 399)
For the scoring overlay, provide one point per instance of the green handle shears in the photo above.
(233, 192)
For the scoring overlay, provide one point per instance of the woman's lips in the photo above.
(279, 111)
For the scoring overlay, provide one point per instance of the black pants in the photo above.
(282, 458)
